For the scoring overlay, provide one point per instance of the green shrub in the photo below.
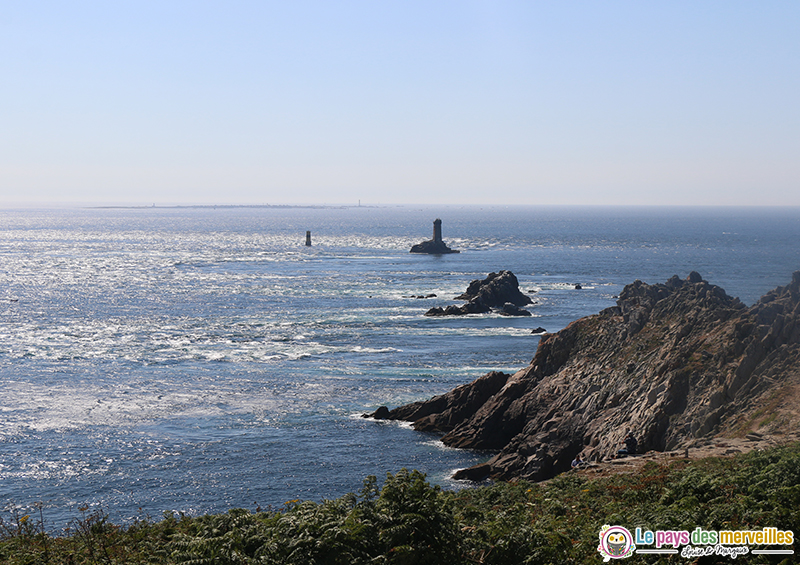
(409, 521)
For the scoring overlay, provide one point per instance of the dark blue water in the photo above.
(197, 359)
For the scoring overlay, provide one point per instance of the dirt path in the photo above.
(713, 447)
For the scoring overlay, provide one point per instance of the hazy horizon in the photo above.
(412, 103)
(433, 207)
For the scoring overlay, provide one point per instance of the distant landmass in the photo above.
(281, 206)
(677, 364)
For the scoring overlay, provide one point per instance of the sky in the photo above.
(389, 102)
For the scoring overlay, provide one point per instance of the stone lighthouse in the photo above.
(437, 231)
(434, 246)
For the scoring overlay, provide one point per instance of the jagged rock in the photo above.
(495, 290)
(539, 331)
(452, 310)
(381, 413)
(443, 413)
(674, 362)
(498, 290)
(510, 309)
(475, 473)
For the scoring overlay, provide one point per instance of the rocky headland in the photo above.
(498, 292)
(681, 364)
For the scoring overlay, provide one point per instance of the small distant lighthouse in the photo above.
(308, 239)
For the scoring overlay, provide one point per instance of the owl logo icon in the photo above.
(616, 542)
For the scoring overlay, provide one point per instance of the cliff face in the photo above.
(672, 362)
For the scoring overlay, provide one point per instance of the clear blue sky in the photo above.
(404, 101)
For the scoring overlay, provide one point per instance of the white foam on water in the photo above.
(56, 470)
(368, 350)
(185, 324)
(437, 444)
(395, 423)
(62, 407)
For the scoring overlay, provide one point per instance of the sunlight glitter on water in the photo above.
(198, 359)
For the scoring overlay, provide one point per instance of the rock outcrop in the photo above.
(443, 413)
(673, 362)
(498, 291)
(434, 246)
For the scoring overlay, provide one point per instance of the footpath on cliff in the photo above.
(698, 449)
(689, 370)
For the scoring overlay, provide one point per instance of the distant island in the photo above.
(227, 206)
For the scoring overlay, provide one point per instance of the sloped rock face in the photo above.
(672, 362)
(498, 290)
(445, 412)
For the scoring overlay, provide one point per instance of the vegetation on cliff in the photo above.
(409, 521)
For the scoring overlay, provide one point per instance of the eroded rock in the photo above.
(673, 362)
(498, 291)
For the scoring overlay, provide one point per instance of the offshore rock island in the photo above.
(678, 364)
(498, 291)
(434, 246)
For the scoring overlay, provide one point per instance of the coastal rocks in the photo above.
(445, 412)
(676, 363)
(431, 247)
(495, 290)
(510, 309)
(469, 308)
(499, 291)
(434, 246)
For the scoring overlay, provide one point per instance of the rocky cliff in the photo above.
(673, 362)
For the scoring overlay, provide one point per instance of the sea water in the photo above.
(200, 359)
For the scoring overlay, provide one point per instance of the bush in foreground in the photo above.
(409, 521)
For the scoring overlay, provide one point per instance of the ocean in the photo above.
(197, 359)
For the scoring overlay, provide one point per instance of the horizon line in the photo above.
(132, 206)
